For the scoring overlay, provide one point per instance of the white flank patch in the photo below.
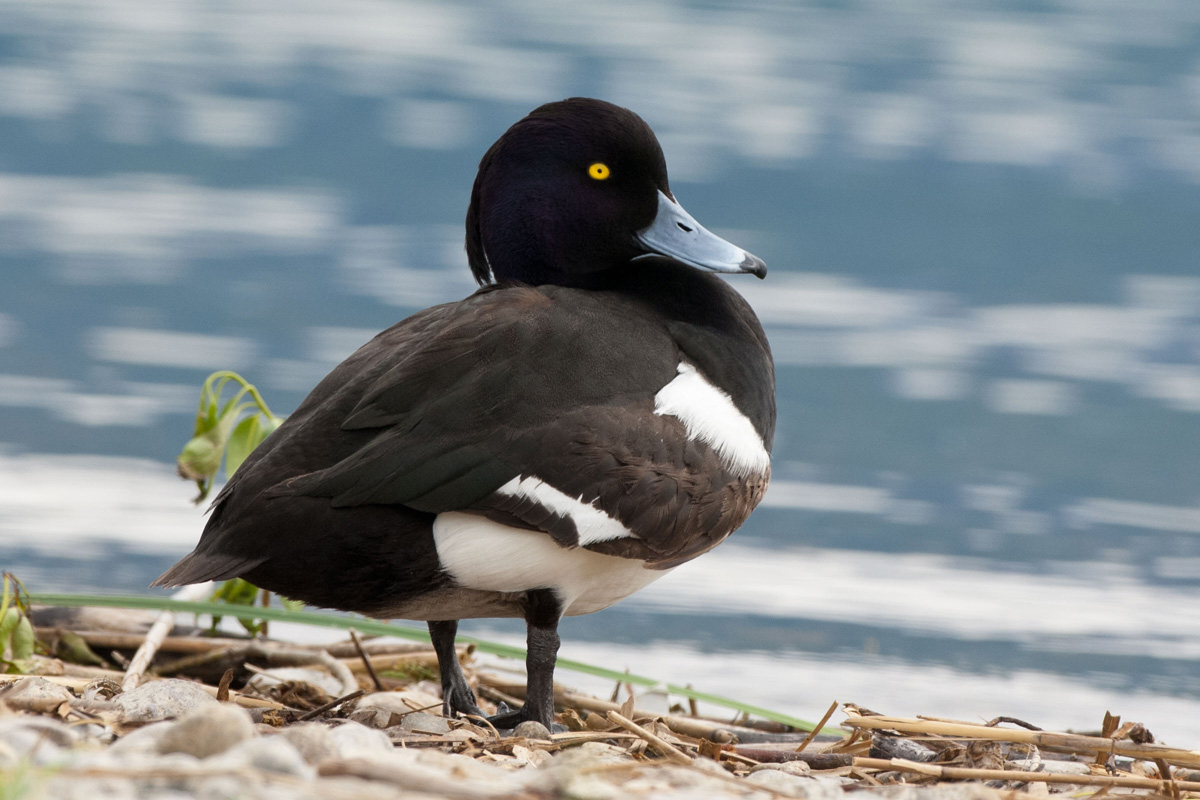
(710, 416)
(592, 524)
(482, 554)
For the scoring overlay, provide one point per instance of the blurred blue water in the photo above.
(984, 301)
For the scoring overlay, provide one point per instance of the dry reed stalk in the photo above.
(1047, 740)
(107, 640)
(366, 662)
(972, 774)
(696, 728)
(579, 737)
(157, 633)
(399, 661)
(664, 748)
(818, 727)
(85, 671)
(72, 682)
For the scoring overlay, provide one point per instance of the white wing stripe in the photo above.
(711, 416)
(592, 524)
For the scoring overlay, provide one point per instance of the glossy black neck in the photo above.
(714, 326)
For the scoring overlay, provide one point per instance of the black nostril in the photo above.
(683, 227)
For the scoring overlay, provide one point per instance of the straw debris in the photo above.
(357, 718)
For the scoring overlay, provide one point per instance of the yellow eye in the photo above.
(599, 171)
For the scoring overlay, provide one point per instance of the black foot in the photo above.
(506, 719)
(457, 696)
(459, 700)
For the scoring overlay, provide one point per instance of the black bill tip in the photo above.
(754, 265)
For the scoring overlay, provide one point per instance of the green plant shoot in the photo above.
(229, 430)
(17, 638)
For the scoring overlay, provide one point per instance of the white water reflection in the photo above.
(72, 505)
(966, 81)
(927, 593)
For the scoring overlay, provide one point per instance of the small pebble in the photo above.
(45, 742)
(590, 753)
(780, 782)
(708, 765)
(16, 729)
(141, 740)
(420, 722)
(36, 695)
(315, 742)
(790, 767)
(273, 754)
(67, 787)
(207, 731)
(163, 699)
(385, 709)
(358, 741)
(532, 729)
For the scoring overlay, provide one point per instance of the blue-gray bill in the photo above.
(675, 233)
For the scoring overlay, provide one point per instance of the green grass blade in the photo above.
(371, 626)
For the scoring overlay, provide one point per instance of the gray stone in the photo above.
(161, 700)
(358, 741)
(780, 782)
(315, 742)
(207, 731)
(22, 728)
(588, 787)
(810, 788)
(385, 709)
(941, 791)
(573, 773)
(217, 787)
(589, 754)
(531, 729)
(674, 781)
(72, 788)
(36, 695)
(269, 754)
(42, 740)
(708, 765)
(438, 773)
(420, 722)
(790, 767)
(141, 740)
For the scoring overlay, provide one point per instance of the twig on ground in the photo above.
(158, 631)
(664, 747)
(818, 727)
(972, 774)
(696, 728)
(1061, 742)
(379, 687)
(332, 704)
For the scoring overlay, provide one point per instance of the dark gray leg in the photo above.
(542, 612)
(457, 697)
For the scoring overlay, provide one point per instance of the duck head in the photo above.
(576, 190)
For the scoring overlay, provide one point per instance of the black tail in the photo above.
(196, 567)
